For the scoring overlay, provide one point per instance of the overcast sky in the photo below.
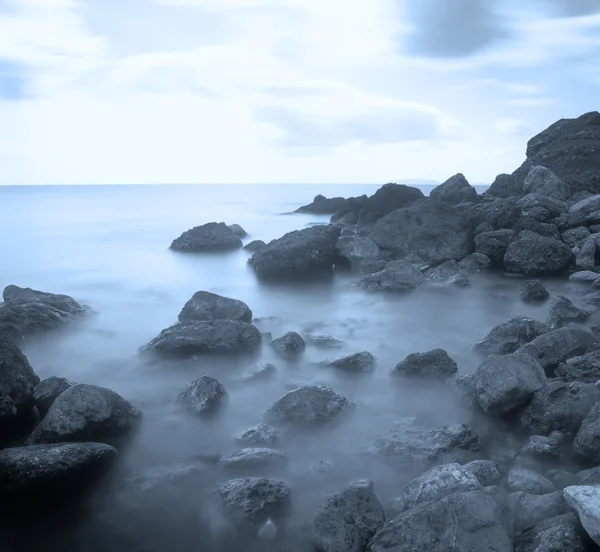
(151, 91)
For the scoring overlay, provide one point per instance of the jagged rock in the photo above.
(536, 255)
(494, 244)
(507, 337)
(205, 306)
(584, 368)
(574, 237)
(505, 185)
(586, 444)
(252, 459)
(435, 364)
(475, 262)
(254, 246)
(289, 346)
(237, 230)
(533, 291)
(260, 435)
(356, 251)
(345, 217)
(541, 180)
(454, 191)
(385, 200)
(204, 396)
(322, 205)
(530, 509)
(495, 215)
(46, 392)
(562, 311)
(213, 236)
(585, 500)
(355, 363)
(558, 534)
(396, 276)
(449, 272)
(529, 481)
(485, 471)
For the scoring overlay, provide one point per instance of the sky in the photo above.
(286, 91)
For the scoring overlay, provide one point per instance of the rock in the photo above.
(27, 312)
(204, 396)
(495, 215)
(255, 245)
(584, 276)
(584, 368)
(290, 346)
(494, 244)
(263, 372)
(507, 337)
(385, 200)
(485, 471)
(260, 435)
(371, 267)
(249, 502)
(434, 230)
(505, 185)
(454, 191)
(472, 521)
(449, 272)
(253, 458)
(187, 339)
(347, 521)
(562, 478)
(574, 237)
(541, 180)
(537, 255)
(585, 500)
(543, 448)
(562, 310)
(213, 236)
(465, 390)
(540, 207)
(355, 363)
(435, 364)
(558, 534)
(396, 276)
(586, 444)
(475, 262)
(589, 477)
(345, 217)
(364, 484)
(46, 392)
(307, 252)
(533, 291)
(530, 509)
(320, 469)
(585, 212)
(585, 258)
(507, 382)
(86, 413)
(529, 481)
(322, 205)
(17, 385)
(308, 406)
(206, 307)
(439, 482)
(356, 251)
(36, 472)
(559, 407)
(237, 230)
(324, 341)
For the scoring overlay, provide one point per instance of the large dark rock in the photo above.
(563, 311)
(47, 391)
(187, 339)
(356, 363)
(213, 236)
(507, 337)
(494, 244)
(537, 255)
(298, 254)
(347, 521)
(533, 291)
(357, 251)
(385, 200)
(529, 481)
(472, 521)
(584, 368)
(586, 444)
(505, 185)
(541, 180)
(574, 237)
(396, 276)
(586, 502)
(254, 246)
(322, 205)
(494, 215)
(558, 534)
(530, 509)
(289, 346)
(540, 207)
(206, 306)
(434, 230)
(570, 149)
(204, 396)
(485, 471)
(434, 364)
(27, 312)
(585, 212)
(86, 413)
(454, 191)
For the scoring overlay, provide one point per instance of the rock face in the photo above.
(544, 182)
(561, 533)
(187, 339)
(47, 391)
(529, 481)
(385, 200)
(347, 521)
(27, 312)
(356, 363)
(435, 364)
(204, 396)
(535, 255)
(205, 306)
(396, 276)
(251, 459)
(533, 291)
(494, 244)
(586, 502)
(569, 148)
(53, 469)
(249, 502)
(529, 509)
(434, 230)
(505, 383)
(298, 254)
(472, 521)
(289, 346)
(213, 236)
(308, 406)
(574, 237)
(357, 251)
(86, 413)
(322, 205)
(585, 212)
(586, 444)
(454, 191)
(507, 337)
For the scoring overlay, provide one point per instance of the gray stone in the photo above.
(205, 307)
(586, 444)
(237, 230)
(584, 276)
(324, 341)
(543, 181)
(585, 212)
(562, 311)
(322, 205)
(434, 364)
(465, 390)
(529, 481)
(252, 459)
(355, 363)
(590, 476)
(204, 396)
(46, 392)
(545, 447)
(485, 471)
(494, 244)
(540, 207)
(449, 272)
(289, 346)
(574, 237)
(530, 509)
(355, 251)
(533, 291)
(535, 255)
(213, 236)
(505, 185)
(558, 534)
(585, 259)
(584, 368)
(385, 200)
(507, 337)
(475, 262)
(585, 500)
(260, 435)
(396, 276)
(454, 191)
(254, 246)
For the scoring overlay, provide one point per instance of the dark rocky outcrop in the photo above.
(47, 391)
(237, 230)
(563, 311)
(574, 237)
(449, 272)
(494, 244)
(385, 200)
(254, 246)
(485, 471)
(357, 363)
(434, 364)
(535, 255)
(289, 346)
(541, 180)
(213, 236)
(541, 207)
(454, 191)
(533, 291)
(322, 205)
(204, 396)
(475, 262)
(585, 500)
(206, 306)
(396, 276)
(507, 337)
(585, 212)
(357, 251)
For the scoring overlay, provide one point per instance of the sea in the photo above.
(108, 247)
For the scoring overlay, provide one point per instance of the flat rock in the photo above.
(205, 307)
(47, 391)
(586, 444)
(289, 346)
(563, 311)
(454, 191)
(507, 337)
(252, 459)
(204, 396)
(533, 291)
(585, 500)
(213, 236)
(434, 364)
(558, 534)
(529, 481)
(388, 198)
(260, 435)
(396, 276)
(535, 255)
(355, 363)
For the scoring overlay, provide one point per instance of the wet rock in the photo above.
(585, 500)
(540, 207)
(86, 413)
(249, 502)
(449, 272)
(454, 191)
(46, 392)
(205, 306)
(385, 200)
(255, 245)
(252, 459)
(213, 236)
(396, 276)
(434, 230)
(507, 382)
(559, 534)
(537, 255)
(27, 312)
(507, 337)
(530, 509)
(356, 251)
(574, 237)
(188, 339)
(299, 254)
(237, 230)
(529, 481)
(494, 244)
(289, 346)
(533, 291)
(563, 311)
(260, 435)
(355, 363)
(204, 396)
(545, 447)
(308, 406)
(324, 341)
(472, 521)
(485, 471)
(475, 262)
(541, 180)
(322, 205)
(584, 368)
(347, 521)
(434, 364)
(586, 444)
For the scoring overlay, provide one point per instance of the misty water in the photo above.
(108, 248)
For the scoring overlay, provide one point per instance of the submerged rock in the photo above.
(507, 337)
(585, 500)
(289, 346)
(434, 364)
(533, 291)
(206, 306)
(537, 255)
(396, 276)
(355, 363)
(475, 262)
(47, 391)
(204, 396)
(213, 236)
(324, 341)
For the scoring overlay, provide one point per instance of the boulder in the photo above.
(347, 521)
(237, 230)
(289, 346)
(307, 252)
(541, 180)
(507, 337)
(529, 481)
(47, 391)
(585, 500)
(206, 307)
(507, 382)
(263, 372)
(537, 255)
(560, 534)
(356, 251)
(324, 341)
(530, 509)
(356, 363)
(449, 272)
(213, 236)
(505, 185)
(475, 262)
(86, 413)
(188, 339)
(252, 459)
(494, 215)
(562, 311)
(434, 230)
(584, 368)
(322, 205)
(533, 291)
(204, 396)
(255, 245)
(27, 312)
(585, 276)
(434, 364)
(454, 191)
(385, 200)
(308, 406)
(585, 212)
(586, 257)
(543, 447)
(465, 390)
(260, 435)
(586, 444)
(590, 476)
(485, 471)
(494, 244)
(540, 207)
(396, 276)
(574, 237)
